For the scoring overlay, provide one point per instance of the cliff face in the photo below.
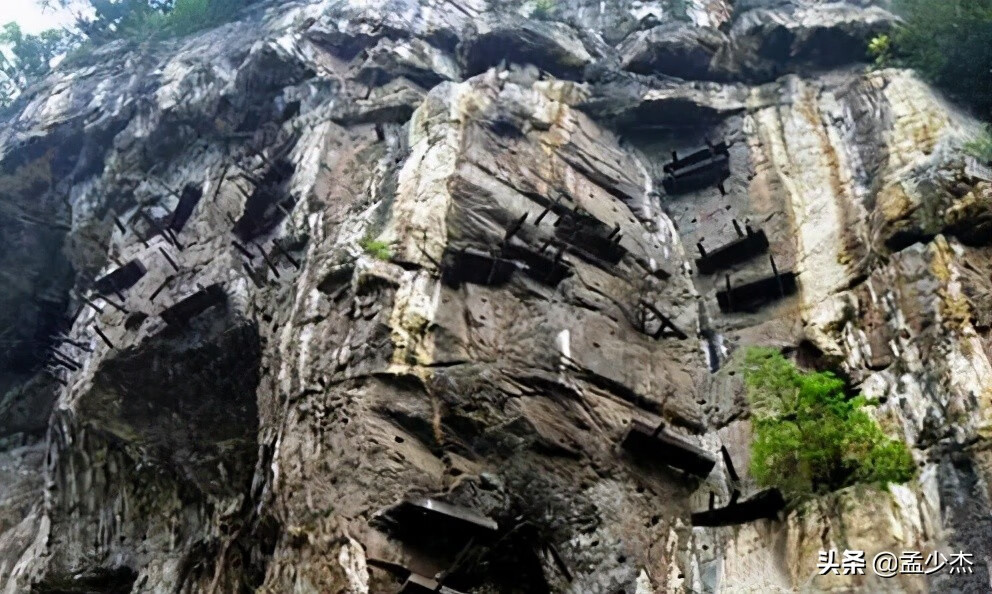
(395, 250)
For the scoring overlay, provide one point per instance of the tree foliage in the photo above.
(809, 436)
(950, 43)
(27, 57)
(24, 58)
(151, 19)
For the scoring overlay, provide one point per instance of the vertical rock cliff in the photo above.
(315, 275)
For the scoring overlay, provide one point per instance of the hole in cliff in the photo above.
(188, 200)
(398, 439)
(475, 267)
(336, 279)
(47, 314)
(268, 204)
(524, 46)
(134, 321)
(108, 581)
(905, 238)
(186, 397)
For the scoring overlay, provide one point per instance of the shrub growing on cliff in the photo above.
(542, 9)
(950, 43)
(377, 249)
(809, 436)
(981, 147)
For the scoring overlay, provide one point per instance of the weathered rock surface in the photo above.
(425, 250)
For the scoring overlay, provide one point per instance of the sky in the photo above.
(32, 16)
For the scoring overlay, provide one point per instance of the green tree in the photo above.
(950, 43)
(151, 19)
(25, 58)
(809, 436)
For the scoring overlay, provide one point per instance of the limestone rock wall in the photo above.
(403, 249)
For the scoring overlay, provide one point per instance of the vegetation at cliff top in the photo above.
(949, 42)
(29, 57)
(810, 438)
(150, 19)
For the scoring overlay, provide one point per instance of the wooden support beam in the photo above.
(285, 253)
(161, 287)
(103, 336)
(169, 259)
(268, 262)
(244, 251)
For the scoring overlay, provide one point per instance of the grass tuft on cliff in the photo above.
(377, 249)
(810, 438)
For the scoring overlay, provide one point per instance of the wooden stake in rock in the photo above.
(268, 262)
(244, 251)
(730, 295)
(778, 279)
(161, 287)
(285, 254)
(103, 336)
(169, 259)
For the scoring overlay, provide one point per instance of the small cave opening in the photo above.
(337, 279)
(118, 580)
(268, 204)
(530, 45)
(45, 318)
(188, 200)
(193, 305)
(476, 267)
(186, 397)
(475, 550)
